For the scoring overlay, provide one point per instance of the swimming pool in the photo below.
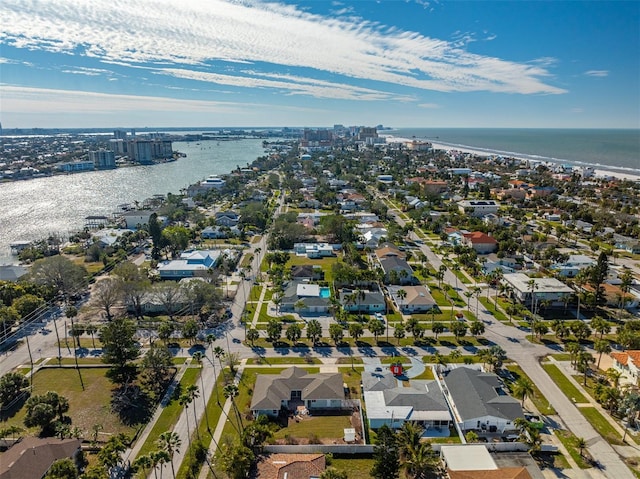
(325, 292)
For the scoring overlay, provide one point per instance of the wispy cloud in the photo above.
(87, 71)
(597, 73)
(429, 105)
(183, 38)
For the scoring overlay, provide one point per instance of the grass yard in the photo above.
(570, 442)
(357, 467)
(564, 384)
(81, 361)
(602, 425)
(541, 403)
(323, 427)
(86, 407)
(325, 263)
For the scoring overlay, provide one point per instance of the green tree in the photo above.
(458, 328)
(11, 386)
(580, 330)
(602, 346)
(165, 330)
(170, 442)
(583, 364)
(437, 328)
(190, 330)
(294, 333)
(333, 473)
(522, 388)
(119, 348)
(235, 460)
(42, 410)
(314, 330)
(252, 335)
(106, 294)
(385, 455)
(62, 469)
(471, 437)
(376, 327)
(476, 328)
(336, 332)
(600, 326)
(274, 329)
(399, 332)
(356, 331)
(27, 304)
(156, 368)
(598, 274)
(540, 329)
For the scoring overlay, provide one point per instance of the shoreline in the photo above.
(600, 171)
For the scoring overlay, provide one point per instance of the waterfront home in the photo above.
(11, 272)
(527, 290)
(136, 218)
(390, 403)
(480, 402)
(295, 387)
(193, 263)
(417, 299)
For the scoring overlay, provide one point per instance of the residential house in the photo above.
(362, 300)
(227, 218)
(573, 265)
(305, 297)
(291, 466)
(417, 299)
(389, 250)
(613, 295)
(397, 271)
(295, 387)
(390, 403)
(478, 208)
(627, 363)
(12, 273)
(32, 457)
(136, 218)
(542, 289)
(474, 461)
(479, 401)
(219, 232)
(313, 250)
(192, 263)
(308, 272)
(372, 237)
(480, 242)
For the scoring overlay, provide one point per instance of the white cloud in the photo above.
(428, 105)
(87, 71)
(198, 35)
(597, 73)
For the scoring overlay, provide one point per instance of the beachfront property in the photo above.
(478, 208)
(136, 218)
(313, 250)
(417, 299)
(527, 290)
(390, 403)
(293, 388)
(305, 297)
(193, 263)
(479, 401)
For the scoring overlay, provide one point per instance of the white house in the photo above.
(542, 289)
(627, 363)
(191, 264)
(478, 208)
(136, 218)
(573, 265)
(313, 250)
(417, 299)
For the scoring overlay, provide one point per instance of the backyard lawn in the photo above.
(323, 427)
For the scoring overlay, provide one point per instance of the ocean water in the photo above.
(616, 150)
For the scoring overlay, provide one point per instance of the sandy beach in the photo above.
(599, 172)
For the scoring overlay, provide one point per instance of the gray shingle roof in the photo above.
(477, 394)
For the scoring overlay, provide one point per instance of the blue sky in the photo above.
(413, 63)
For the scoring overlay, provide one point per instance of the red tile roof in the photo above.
(293, 466)
(478, 237)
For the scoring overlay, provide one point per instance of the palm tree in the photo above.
(401, 294)
(409, 437)
(523, 388)
(581, 444)
(219, 353)
(143, 462)
(614, 376)
(532, 287)
(601, 346)
(159, 458)
(421, 461)
(91, 329)
(210, 339)
(192, 393)
(583, 364)
(170, 442)
(600, 325)
(184, 400)
(231, 392)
